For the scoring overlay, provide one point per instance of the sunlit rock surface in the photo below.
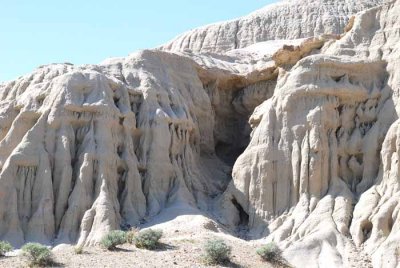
(293, 140)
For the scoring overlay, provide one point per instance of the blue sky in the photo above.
(37, 32)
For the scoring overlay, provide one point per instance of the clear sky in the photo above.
(37, 32)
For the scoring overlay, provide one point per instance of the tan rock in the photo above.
(286, 19)
(316, 151)
(287, 140)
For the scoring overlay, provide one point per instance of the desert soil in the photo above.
(177, 250)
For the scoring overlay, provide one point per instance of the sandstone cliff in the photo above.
(287, 140)
(286, 19)
(320, 169)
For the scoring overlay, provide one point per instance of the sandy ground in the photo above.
(182, 251)
(185, 231)
(185, 234)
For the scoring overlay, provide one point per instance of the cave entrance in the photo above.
(231, 130)
(366, 230)
(243, 216)
(228, 153)
(233, 100)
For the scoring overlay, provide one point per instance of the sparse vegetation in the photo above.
(78, 249)
(148, 239)
(216, 252)
(270, 252)
(37, 254)
(114, 238)
(4, 248)
(131, 234)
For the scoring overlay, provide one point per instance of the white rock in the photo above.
(151, 139)
(316, 150)
(288, 19)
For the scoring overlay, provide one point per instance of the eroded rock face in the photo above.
(294, 141)
(87, 153)
(287, 19)
(89, 149)
(321, 146)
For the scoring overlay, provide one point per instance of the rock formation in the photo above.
(320, 169)
(286, 19)
(294, 141)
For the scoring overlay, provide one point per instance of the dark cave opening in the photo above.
(233, 101)
(231, 131)
(228, 153)
(243, 216)
(366, 230)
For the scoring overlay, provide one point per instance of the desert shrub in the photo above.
(216, 251)
(78, 249)
(270, 252)
(131, 234)
(4, 248)
(37, 254)
(148, 239)
(114, 238)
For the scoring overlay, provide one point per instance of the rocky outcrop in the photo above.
(85, 152)
(294, 141)
(286, 19)
(321, 146)
(88, 149)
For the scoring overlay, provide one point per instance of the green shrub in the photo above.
(131, 234)
(270, 252)
(78, 249)
(4, 248)
(216, 252)
(148, 239)
(37, 254)
(114, 238)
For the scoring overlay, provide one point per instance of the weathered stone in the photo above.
(294, 141)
